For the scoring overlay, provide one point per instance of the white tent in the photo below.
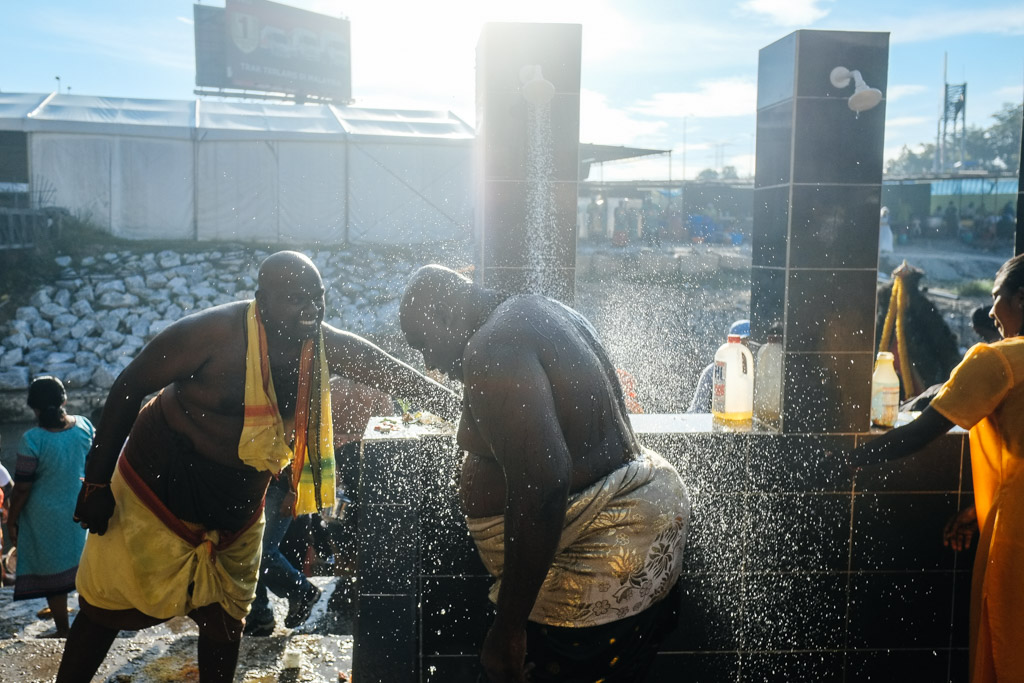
(248, 171)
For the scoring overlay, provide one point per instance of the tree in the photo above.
(707, 175)
(911, 163)
(729, 173)
(995, 148)
(1004, 135)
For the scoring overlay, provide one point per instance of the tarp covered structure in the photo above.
(215, 170)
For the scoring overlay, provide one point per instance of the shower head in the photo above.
(535, 88)
(863, 97)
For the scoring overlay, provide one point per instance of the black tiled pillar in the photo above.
(527, 157)
(817, 197)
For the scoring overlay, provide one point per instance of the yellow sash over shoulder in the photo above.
(263, 444)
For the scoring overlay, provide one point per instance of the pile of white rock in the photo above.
(93, 320)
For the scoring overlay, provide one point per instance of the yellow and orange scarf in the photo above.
(263, 444)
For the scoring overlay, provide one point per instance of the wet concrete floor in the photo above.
(315, 652)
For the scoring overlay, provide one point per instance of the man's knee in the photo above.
(216, 624)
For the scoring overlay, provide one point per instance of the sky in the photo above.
(677, 75)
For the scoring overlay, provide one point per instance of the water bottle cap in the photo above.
(885, 355)
(734, 339)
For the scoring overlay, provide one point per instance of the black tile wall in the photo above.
(510, 134)
(819, 317)
(937, 468)
(788, 463)
(715, 542)
(880, 538)
(900, 610)
(767, 300)
(898, 665)
(386, 633)
(773, 148)
(518, 279)
(507, 154)
(827, 393)
(821, 667)
(818, 177)
(792, 571)
(506, 245)
(798, 532)
(833, 226)
(696, 667)
(776, 72)
(821, 51)
(837, 146)
(452, 619)
(711, 618)
(794, 611)
(771, 227)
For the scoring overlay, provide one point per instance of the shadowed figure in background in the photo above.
(176, 521)
(931, 347)
(582, 528)
(984, 394)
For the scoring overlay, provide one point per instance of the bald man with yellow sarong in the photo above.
(176, 522)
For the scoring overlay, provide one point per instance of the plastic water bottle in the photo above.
(768, 383)
(733, 397)
(885, 392)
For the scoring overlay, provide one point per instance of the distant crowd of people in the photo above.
(648, 222)
(970, 224)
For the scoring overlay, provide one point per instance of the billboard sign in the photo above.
(275, 48)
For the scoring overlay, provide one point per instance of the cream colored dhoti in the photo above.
(620, 552)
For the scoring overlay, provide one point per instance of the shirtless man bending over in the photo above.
(176, 521)
(581, 526)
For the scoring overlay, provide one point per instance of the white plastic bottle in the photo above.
(885, 392)
(733, 397)
(768, 383)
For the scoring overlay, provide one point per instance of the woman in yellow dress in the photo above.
(984, 394)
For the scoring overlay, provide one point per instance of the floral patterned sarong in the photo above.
(621, 548)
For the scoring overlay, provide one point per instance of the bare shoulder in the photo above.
(215, 319)
(526, 322)
(513, 334)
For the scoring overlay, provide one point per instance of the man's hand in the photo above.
(504, 655)
(960, 529)
(94, 507)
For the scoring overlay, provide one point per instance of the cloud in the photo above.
(788, 12)
(1011, 93)
(936, 25)
(157, 44)
(186, 20)
(896, 92)
(908, 121)
(603, 124)
(714, 99)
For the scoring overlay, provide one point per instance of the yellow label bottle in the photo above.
(733, 397)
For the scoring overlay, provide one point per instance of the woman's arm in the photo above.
(902, 441)
(19, 496)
